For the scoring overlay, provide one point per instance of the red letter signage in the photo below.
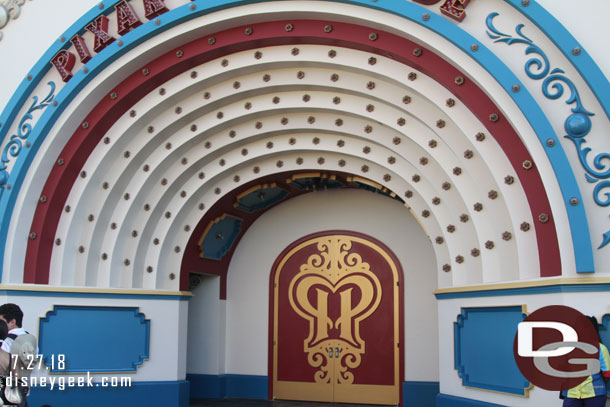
(64, 62)
(154, 8)
(100, 29)
(126, 18)
(455, 9)
(81, 48)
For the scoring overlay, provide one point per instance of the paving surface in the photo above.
(266, 403)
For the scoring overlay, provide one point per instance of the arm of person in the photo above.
(604, 361)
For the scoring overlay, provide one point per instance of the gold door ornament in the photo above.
(334, 270)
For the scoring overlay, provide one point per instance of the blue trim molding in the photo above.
(81, 334)
(411, 11)
(205, 386)
(446, 400)
(420, 394)
(543, 289)
(150, 394)
(483, 349)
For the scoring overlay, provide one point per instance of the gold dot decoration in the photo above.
(364, 168)
(306, 98)
(299, 161)
(256, 169)
(311, 120)
(468, 154)
(266, 77)
(387, 177)
(341, 163)
(446, 186)
(416, 178)
(292, 141)
(279, 163)
(446, 268)
(412, 76)
(340, 143)
(440, 123)
(316, 140)
(334, 77)
(489, 245)
(480, 136)
(478, 207)
(339, 122)
(269, 144)
(391, 160)
(423, 161)
(525, 226)
(201, 175)
(368, 129)
(459, 259)
(401, 121)
(509, 180)
(464, 218)
(372, 61)
(436, 200)
(275, 100)
(336, 100)
(475, 252)
(457, 171)
(408, 193)
(493, 194)
(366, 149)
(450, 102)
(439, 240)
(396, 140)
(450, 228)
(321, 160)
(258, 125)
(425, 213)
(507, 235)
(406, 100)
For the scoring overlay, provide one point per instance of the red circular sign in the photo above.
(541, 356)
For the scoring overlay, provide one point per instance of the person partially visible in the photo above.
(592, 392)
(13, 316)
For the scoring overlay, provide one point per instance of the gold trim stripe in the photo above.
(527, 284)
(85, 290)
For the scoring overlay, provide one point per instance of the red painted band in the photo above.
(136, 86)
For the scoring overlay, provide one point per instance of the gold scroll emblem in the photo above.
(335, 271)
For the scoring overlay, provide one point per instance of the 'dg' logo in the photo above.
(556, 348)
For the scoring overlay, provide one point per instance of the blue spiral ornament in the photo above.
(13, 148)
(577, 125)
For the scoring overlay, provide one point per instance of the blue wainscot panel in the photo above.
(419, 394)
(149, 394)
(203, 386)
(483, 345)
(445, 400)
(94, 339)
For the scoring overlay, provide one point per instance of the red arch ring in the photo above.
(136, 86)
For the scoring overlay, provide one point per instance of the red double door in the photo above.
(336, 308)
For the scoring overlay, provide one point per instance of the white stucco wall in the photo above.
(591, 303)
(168, 318)
(372, 214)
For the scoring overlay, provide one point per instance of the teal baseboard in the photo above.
(445, 400)
(203, 386)
(149, 394)
(419, 394)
